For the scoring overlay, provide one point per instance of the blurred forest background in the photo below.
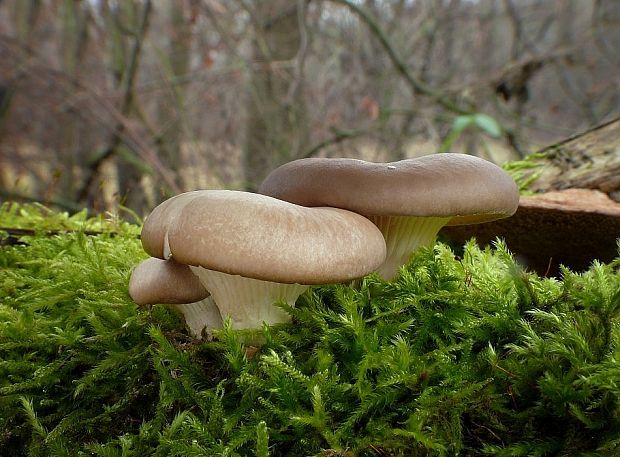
(124, 102)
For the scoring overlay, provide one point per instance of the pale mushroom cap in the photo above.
(260, 237)
(466, 188)
(164, 281)
(165, 211)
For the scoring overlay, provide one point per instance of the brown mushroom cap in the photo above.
(465, 188)
(164, 281)
(260, 237)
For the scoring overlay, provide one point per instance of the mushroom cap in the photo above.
(260, 237)
(466, 188)
(164, 281)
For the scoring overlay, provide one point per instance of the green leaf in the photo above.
(481, 121)
(488, 125)
(463, 122)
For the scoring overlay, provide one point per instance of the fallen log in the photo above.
(569, 212)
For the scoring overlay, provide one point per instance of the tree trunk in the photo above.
(276, 128)
(176, 65)
(74, 38)
(125, 64)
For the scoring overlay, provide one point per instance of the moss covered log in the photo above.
(589, 160)
(460, 355)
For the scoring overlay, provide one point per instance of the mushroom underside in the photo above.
(403, 236)
(200, 315)
(248, 302)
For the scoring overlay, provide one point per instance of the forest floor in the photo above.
(465, 353)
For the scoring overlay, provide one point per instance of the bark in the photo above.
(590, 160)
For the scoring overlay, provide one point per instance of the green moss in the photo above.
(525, 172)
(466, 356)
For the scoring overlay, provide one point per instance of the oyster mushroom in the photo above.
(168, 282)
(408, 200)
(250, 251)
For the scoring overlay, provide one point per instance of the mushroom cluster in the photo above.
(248, 251)
(221, 253)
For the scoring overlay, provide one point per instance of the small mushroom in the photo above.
(250, 250)
(409, 200)
(168, 282)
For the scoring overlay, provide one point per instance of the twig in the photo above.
(339, 136)
(16, 233)
(12, 241)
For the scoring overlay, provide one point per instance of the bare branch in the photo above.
(338, 137)
(417, 86)
(127, 133)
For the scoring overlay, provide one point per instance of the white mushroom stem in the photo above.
(200, 315)
(249, 302)
(403, 236)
